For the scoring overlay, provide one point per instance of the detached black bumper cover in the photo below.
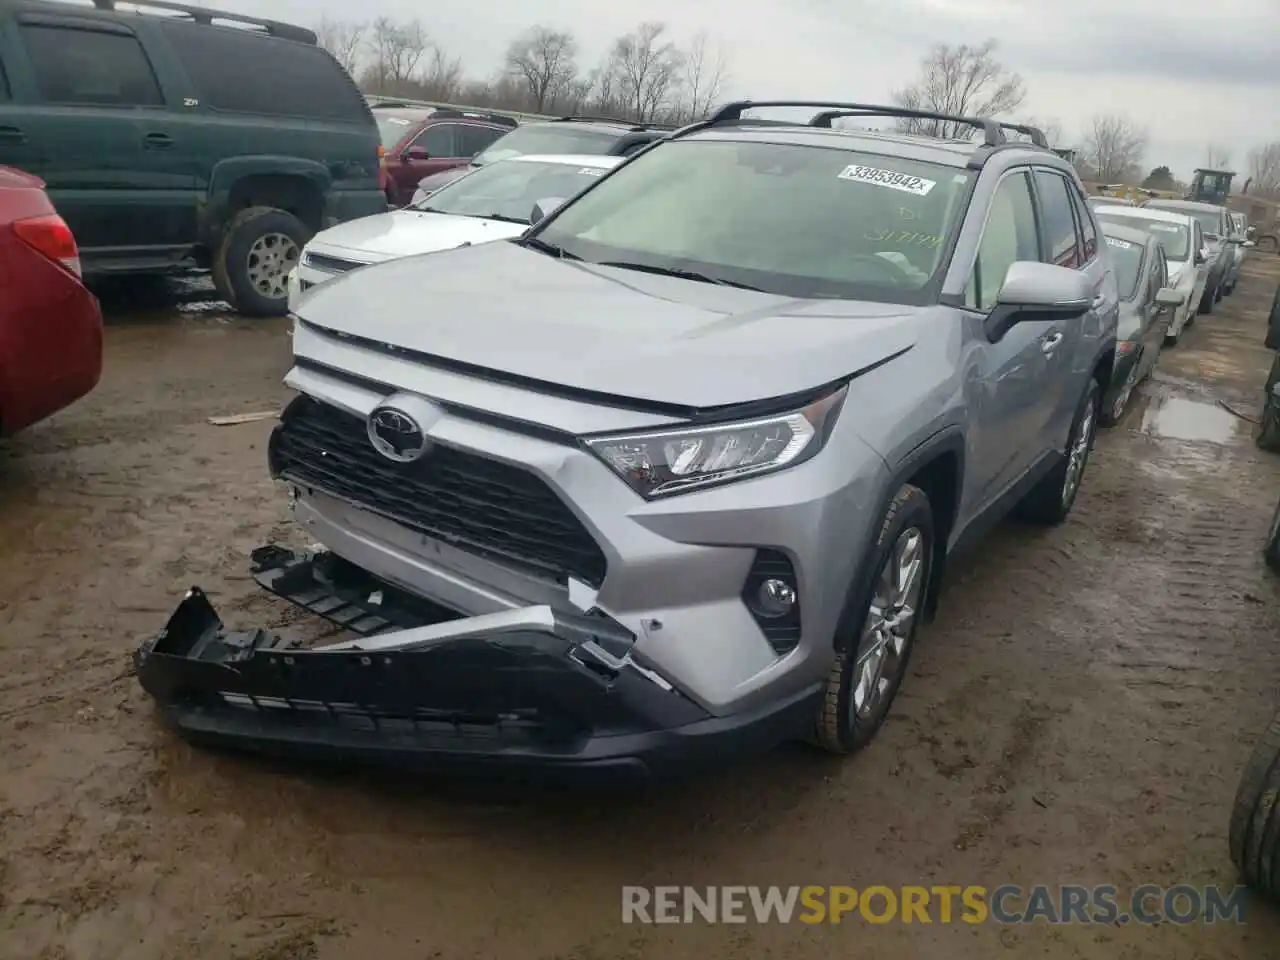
(535, 686)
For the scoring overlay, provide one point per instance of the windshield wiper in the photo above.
(681, 274)
(543, 247)
(499, 216)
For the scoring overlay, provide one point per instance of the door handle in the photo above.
(1099, 300)
(12, 135)
(157, 141)
(1049, 342)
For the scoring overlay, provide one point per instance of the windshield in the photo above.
(547, 138)
(392, 130)
(798, 221)
(1174, 237)
(1210, 220)
(508, 190)
(1127, 258)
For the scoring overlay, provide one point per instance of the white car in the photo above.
(495, 202)
(1184, 248)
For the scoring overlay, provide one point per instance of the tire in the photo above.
(1050, 500)
(1271, 549)
(1255, 816)
(842, 725)
(259, 247)
(1116, 400)
(1207, 300)
(1273, 323)
(1269, 431)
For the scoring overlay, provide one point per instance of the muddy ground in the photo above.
(1080, 712)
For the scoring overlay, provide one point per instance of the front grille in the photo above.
(481, 505)
(329, 264)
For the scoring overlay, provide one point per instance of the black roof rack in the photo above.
(207, 16)
(992, 131)
(634, 125)
(476, 115)
(1035, 133)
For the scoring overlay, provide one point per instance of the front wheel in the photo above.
(260, 247)
(877, 634)
(1116, 401)
(1269, 431)
(1050, 500)
(1207, 301)
(1271, 549)
(1255, 816)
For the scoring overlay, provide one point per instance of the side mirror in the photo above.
(545, 207)
(1202, 256)
(414, 154)
(1168, 297)
(1037, 291)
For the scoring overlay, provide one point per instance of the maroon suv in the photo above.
(420, 141)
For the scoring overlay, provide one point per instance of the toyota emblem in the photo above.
(396, 435)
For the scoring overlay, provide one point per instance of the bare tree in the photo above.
(1114, 146)
(1051, 128)
(442, 78)
(543, 60)
(1264, 169)
(1217, 158)
(703, 74)
(960, 81)
(343, 39)
(647, 70)
(397, 50)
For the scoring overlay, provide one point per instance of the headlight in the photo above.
(667, 462)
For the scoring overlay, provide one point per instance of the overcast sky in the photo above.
(1192, 71)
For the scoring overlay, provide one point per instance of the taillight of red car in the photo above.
(383, 176)
(51, 237)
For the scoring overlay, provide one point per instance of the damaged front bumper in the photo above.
(533, 686)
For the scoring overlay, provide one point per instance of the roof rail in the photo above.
(633, 124)
(992, 134)
(1035, 133)
(206, 16)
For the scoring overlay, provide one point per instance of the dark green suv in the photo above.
(185, 137)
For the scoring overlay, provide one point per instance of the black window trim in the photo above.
(1038, 201)
(87, 25)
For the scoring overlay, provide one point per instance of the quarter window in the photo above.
(1009, 236)
(1062, 246)
(90, 67)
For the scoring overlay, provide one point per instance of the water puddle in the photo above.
(1178, 418)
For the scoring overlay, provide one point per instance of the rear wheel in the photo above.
(1271, 549)
(1255, 816)
(1269, 432)
(878, 632)
(1050, 500)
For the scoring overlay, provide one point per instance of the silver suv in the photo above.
(678, 471)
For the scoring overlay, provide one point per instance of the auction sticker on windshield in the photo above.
(1119, 244)
(887, 178)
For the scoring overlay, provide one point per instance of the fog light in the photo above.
(776, 598)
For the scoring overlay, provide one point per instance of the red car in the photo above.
(50, 325)
(419, 141)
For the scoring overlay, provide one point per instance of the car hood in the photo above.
(437, 180)
(403, 233)
(607, 330)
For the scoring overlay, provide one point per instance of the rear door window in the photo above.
(474, 139)
(1057, 223)
(242, 72)
(90, 67)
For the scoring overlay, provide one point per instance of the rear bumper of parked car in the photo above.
(534, 687)
(51, 350)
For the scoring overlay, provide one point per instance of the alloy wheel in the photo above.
(887, 629)
(271, 258)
